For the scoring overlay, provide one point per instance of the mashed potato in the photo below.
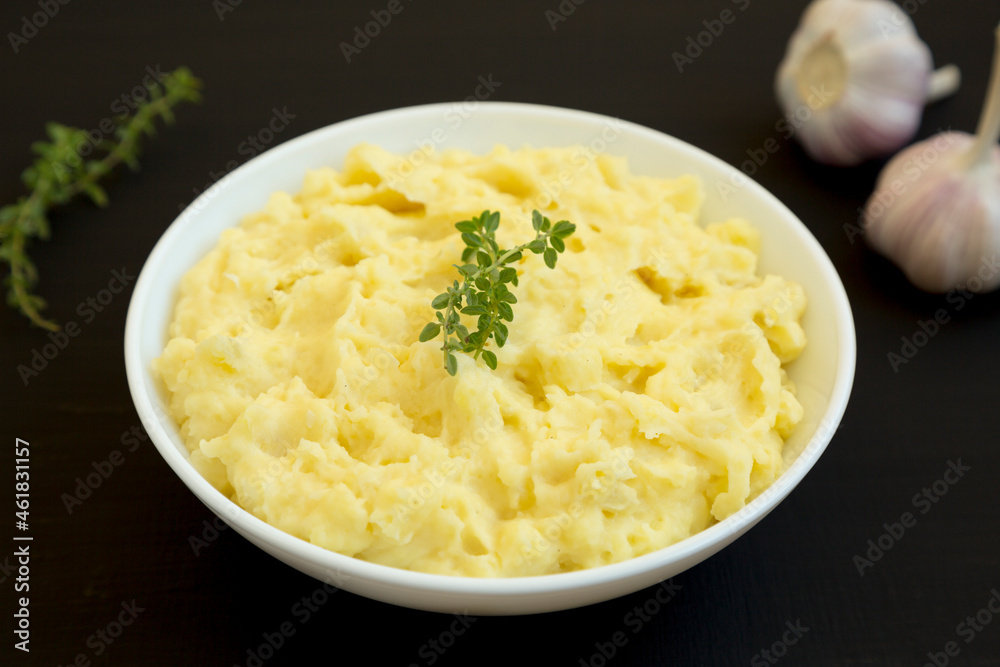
(640, 397)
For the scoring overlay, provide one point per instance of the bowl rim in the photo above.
(347, 567)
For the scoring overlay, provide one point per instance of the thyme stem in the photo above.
(483, 290)
(60, 173)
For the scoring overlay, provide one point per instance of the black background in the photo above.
(130, 539)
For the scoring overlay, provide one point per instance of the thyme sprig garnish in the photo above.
(61, 173)
(483, 292)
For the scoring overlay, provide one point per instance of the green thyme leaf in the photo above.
(430, 332)
(484, 288)
(506, 312)
(500, 334)
(550, 258)
(441, 301)
(563, 229)
(536, 220)
(492, 222)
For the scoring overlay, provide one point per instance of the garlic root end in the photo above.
(944, 83)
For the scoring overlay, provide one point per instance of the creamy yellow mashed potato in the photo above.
(640, 396)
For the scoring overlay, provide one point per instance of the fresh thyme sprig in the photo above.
(60, 173)
(483, 291)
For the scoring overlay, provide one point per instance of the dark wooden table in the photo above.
(114, 576)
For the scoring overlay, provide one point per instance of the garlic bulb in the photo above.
(936, 208)
(855, 80)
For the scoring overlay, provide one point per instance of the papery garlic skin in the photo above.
(863, 74)
(937, 219)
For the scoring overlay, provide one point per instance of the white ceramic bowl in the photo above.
(823, 374)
